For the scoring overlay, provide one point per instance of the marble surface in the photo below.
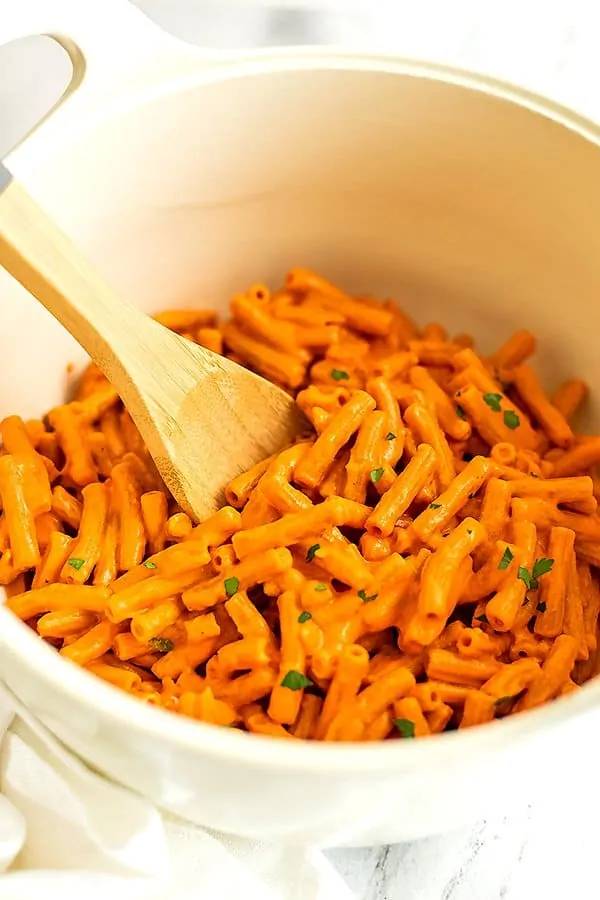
(545, 847)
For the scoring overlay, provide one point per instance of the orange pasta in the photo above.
(127, 500)
(554, 674)
(494, 512)
(436, 596)
(403, 491)
(20, 520)
(550, 618)
(424, 559)
(569, 397)
(502, 609)
(549, 417)
(479, 708)
(423, 424)
(497, 420)
(154, 507)
(516, 349)
(66, 507)
(86, 549)
(55, 556)
(439, 513)
(351, 670)
(340, 429)
(286, 696)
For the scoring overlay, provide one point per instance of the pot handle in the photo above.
(114, 48)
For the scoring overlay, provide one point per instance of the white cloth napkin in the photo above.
(66, 832)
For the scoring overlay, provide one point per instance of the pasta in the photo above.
(425, 559)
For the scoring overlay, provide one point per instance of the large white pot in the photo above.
(185, 178)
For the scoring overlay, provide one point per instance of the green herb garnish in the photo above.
(295, 681)
(312, 552)
(232, 586)
(149, 564)
(511, 419)
(493, 401)
(339, 375)
(75, 563)
(405, 727)
(540, 567)
(363, 596)
(460, 412)
(481, 618)
(304, 617)
(390, 436)
(525, 576)
(506, 560)
(320, 586)
(375, 475)
(160, 645)
(435, 506)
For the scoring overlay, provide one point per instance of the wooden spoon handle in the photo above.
(41, 258)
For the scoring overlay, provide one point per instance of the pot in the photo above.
(185, 176)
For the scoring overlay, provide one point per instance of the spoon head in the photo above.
(228, 421)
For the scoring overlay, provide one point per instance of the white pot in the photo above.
(184, 178)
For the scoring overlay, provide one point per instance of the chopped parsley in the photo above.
(435, 506)
(363, 596)
(511, 419)
(320, 586)
(405, 727)
(75, 563)
(160, 645)
(531, 579)
(542, 567)
(312, 552)
(460, 412)
(390, 436)
(304, 617)
(525, 576)
(506, 560)
(339, 375)
(149, 564)
(493, 401)
(295, 681)
(375, 475)
(232, 586)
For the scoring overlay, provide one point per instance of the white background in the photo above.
(547, 847)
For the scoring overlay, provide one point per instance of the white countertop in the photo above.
(546, 847)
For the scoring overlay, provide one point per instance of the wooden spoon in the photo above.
(203, 418)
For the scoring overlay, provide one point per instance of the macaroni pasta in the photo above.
(425, 559)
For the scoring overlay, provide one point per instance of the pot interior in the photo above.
(468, 209)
